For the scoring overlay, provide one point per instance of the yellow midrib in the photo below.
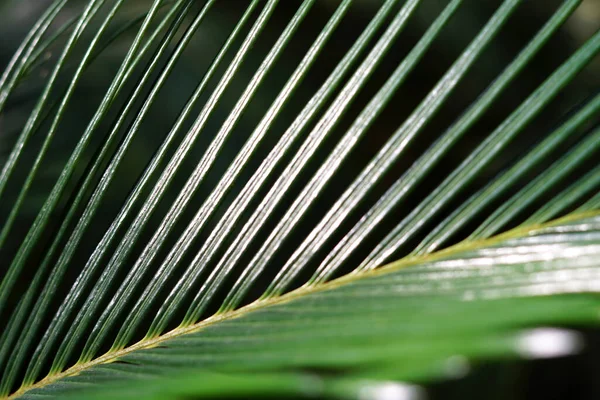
(300, 292)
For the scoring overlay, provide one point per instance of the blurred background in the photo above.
(567, 378)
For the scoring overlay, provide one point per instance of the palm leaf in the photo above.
(242, 272)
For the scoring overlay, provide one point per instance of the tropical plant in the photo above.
(245, 247)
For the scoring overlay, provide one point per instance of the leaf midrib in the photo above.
(147, 343)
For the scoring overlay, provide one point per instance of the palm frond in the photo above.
(228, 265)
(497, 286)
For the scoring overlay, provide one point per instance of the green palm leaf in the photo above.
(227, 266)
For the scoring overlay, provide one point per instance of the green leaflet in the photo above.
(494, 294)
